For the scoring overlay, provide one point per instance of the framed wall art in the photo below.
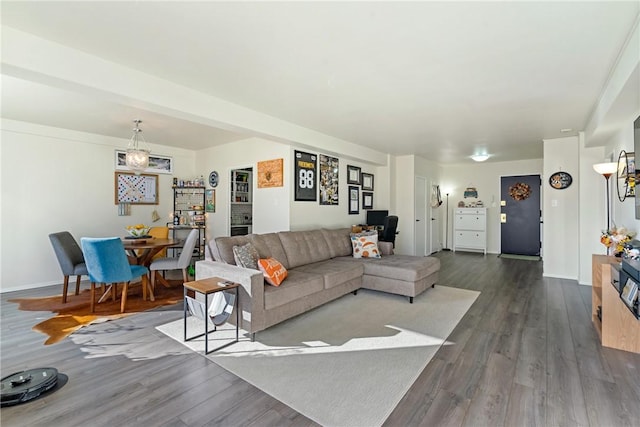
(329, 168)
(367, 200)
(136, 189)
(157, 164)
(305, 176)
(210, 200)
(353, 175)
(367, 181)
(270, 173)
(354, 200)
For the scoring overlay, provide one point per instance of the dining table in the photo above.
(142, 250)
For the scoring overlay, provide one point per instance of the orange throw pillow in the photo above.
(274, 272)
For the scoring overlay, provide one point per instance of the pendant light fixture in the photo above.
(137, 158)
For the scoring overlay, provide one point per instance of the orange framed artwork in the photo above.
(270, 173)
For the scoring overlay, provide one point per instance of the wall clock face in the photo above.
(213, 179)
(560, 180)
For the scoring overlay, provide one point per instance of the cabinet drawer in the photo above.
(470, 222)
(470, 239)
(470, 211)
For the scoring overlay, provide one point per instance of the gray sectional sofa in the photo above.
(320, 268)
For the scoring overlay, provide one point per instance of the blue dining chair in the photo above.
(107, 263)
(70, 259)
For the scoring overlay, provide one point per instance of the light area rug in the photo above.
(346, 363)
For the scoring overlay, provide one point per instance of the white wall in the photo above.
(485, 177)
(271, 211)
(623, 213)
(404, 206)
(274, 209)
(55, 180)
(560, 211)
(309, 215)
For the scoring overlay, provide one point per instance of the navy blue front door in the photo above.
(520, 215)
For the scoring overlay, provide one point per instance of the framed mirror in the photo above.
(625, 176)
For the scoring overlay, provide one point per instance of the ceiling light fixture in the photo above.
(479, 157)
(137, 159)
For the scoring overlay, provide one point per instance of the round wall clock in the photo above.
(213, 179)
(560, 180)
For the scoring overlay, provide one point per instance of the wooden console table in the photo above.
(616, 325)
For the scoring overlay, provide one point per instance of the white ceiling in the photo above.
(437, 79)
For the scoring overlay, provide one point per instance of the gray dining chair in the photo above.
(177, 263)
(70, 258)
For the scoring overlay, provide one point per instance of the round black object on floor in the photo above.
(27, 385)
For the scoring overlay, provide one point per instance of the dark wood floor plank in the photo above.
(526, 407)
(531, 366)
(489, 404)
(447, 409)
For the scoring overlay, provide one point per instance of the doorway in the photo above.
(520, 215)
(241, 202)
(421, 227)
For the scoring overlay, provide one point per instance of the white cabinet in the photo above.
(470, 229)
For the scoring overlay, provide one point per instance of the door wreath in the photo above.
(520, 191)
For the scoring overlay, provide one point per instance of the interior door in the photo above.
(435, 206)
(421, 225)
(520, 215)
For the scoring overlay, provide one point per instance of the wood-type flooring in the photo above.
(525, 354)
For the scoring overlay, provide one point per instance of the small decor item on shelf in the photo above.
(138, 231)
(461, 204)
(615, 239)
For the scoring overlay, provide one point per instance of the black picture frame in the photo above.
(354, 200)
(353, 175)
(306, 177)
(367, 181)
(367, 200)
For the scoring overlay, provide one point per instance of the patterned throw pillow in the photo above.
(246, 256)
(274, 272)
(365, 245)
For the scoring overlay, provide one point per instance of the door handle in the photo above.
(417, 220)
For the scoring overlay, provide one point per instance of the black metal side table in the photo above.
(208, 287)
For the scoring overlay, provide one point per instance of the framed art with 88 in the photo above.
(305, 168)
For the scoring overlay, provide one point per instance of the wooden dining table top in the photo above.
(148, 243)
(141, 251)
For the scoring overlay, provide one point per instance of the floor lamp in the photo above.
(446, 228)
(606, 170)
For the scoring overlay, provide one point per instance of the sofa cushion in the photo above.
(246, 256)
(338, 241)
(298, 285)
(222, 248)
(304, 247)
(269, 246)
(365, 245)
(400, 267)
(334, 273)
(274, 272)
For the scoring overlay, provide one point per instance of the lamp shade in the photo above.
(606, 168)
